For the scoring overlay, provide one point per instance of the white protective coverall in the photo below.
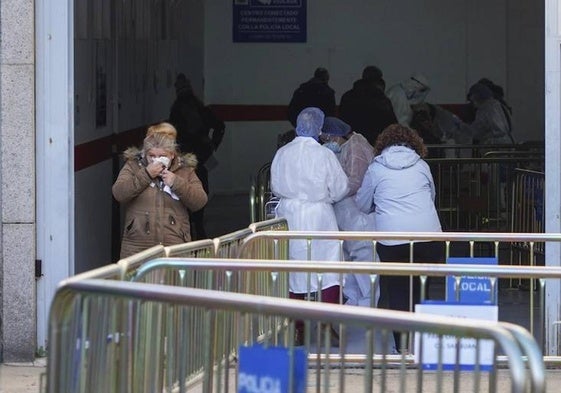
(411, 91)
(308, 179)
(355, 157)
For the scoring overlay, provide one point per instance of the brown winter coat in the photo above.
(152, 216)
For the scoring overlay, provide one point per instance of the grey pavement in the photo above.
(22, 377)
(26, 378)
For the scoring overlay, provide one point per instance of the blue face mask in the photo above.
(333, 146)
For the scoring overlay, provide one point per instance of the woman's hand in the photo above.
(155, 169)
(168, 177)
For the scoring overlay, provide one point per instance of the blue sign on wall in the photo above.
(269, 21)
(268, 369)
(473, 289)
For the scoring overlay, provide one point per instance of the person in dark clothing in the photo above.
(313, 93)
(365, 107)
(194, 122)
(499, 95)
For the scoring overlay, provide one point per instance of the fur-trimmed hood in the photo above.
(188, 160)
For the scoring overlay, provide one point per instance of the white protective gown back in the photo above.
(308, 179)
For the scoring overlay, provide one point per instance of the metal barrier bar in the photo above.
(406, 236)
(199, 248)
(472, 193)
(253, 209)
(108, 272)
(278, 271)
(470, 150)
(528, 215)
(81, 354)
(488, 245)
(131, 263)
(475, 193)
(275, 224)
(226, 246)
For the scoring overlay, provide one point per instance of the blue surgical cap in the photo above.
(335, 126)
(309, 122)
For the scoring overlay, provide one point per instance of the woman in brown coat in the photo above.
(158, 187)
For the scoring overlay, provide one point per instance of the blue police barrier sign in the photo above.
(473, 289)
(267, 370)
(269, 21)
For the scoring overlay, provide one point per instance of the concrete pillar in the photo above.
(17, 176)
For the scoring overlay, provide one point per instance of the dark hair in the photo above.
(182, 84)
(322, 74)
(497, 90)
(372, 73)
(397, 134)
(479, 92)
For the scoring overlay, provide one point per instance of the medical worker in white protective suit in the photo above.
(411, 91)
(355, 155)
(308, 179)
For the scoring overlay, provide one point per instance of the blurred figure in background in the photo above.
(411, 91)
(314, 93)
(499, 95)
(194, 122)
(365, 107)
(308, 179)
(491, 125)
(355, 155)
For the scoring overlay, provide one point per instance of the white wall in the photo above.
(454, 43)
(525, 73)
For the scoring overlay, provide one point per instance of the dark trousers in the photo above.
(396, 289)
(196, 219)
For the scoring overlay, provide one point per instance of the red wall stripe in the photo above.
(102, 149)
(94, 152)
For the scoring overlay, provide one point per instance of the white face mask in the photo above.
(333, 146)
(164, 160)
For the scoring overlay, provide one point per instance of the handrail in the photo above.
(261, 225)
(138, 259)
(406, 236)
(389, 268)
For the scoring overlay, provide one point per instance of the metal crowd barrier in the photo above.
(478, 151)
(528, 215)
(107, 336)
(260, 193)
(457, 244)
(225, 246)
(473, 185)
(269, 278)
(528, 201)
(475, 194)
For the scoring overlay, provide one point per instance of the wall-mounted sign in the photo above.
(269, 21)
